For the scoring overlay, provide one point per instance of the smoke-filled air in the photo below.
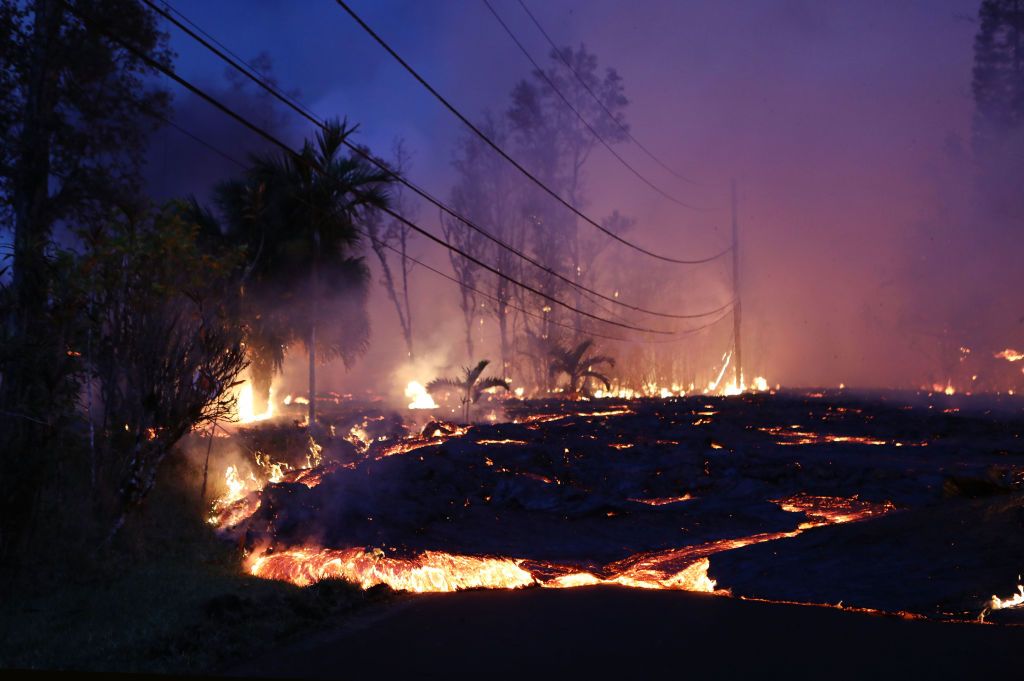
(698, 314)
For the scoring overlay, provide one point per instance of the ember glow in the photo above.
(662, 501)
(834, 510)
(792, 436)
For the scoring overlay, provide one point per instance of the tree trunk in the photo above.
(25, 394)
(261, 381)
(503, 336)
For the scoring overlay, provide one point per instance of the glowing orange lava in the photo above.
(431, 571)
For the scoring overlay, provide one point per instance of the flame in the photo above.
(1013, 601)
(1010, 355)
(421, 399)
(274, 470)
(245, 405)
(237, 487)
(359, 438)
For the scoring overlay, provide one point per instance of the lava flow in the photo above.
(683, 569)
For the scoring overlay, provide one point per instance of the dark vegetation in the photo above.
(580, 367)
(124, 327)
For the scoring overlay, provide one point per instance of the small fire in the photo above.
(246, 405)
(237, 486)
(359, 438)
(1010, 355)
(421, 399)
(1013, 601)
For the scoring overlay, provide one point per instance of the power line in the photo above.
(194, 89)
(547, 79)
(210, 147)
(373, 34)
(214, 149)
(579, 77)
(383, 166)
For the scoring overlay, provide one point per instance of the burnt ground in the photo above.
(566, 484)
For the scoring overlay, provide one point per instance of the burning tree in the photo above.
(579, 366)
(471, 385)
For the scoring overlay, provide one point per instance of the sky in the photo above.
(864, 256)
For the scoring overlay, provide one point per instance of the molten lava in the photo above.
(431, 571)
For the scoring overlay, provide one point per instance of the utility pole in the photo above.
(737, 354)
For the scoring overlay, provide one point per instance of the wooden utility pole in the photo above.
(737, 355)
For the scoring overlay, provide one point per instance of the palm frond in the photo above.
(577, 353)
(439, 384)
(599, 359)
(599, 377)
(473, 374)
(487, 384)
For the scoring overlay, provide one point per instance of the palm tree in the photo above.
(297, 217)
(579, 366)
(470, 385)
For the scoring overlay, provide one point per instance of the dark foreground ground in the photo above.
(602, 632)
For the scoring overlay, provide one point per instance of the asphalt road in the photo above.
(604, 632)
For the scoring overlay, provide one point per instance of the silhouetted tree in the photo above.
(471, 386)
(390, 240)
(299, 221)
(73, 125)
(998, 87)
(579, 366)
(998, 84)
(165, 350)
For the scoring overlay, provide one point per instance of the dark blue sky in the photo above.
(846, 124)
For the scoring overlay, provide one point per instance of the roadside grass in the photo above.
(170, 597)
